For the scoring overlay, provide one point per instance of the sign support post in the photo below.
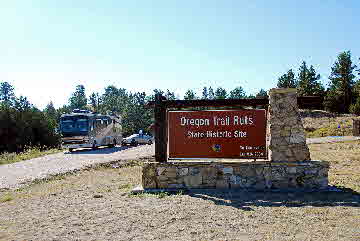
(160, 129)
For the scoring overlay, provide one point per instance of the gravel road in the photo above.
(16, 174)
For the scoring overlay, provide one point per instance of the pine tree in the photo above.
(262, 94)
(50, 110)
(287, 80)
(22, 104)
(237, 93)
(211, 93)
(190, 95)
(340, 93)
(205, 93)
(95, 101)
(170, 95)
(78, 99)
(308, 81)
(7, 95)
(220, 93)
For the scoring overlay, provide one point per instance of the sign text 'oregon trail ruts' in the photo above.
(239, 134)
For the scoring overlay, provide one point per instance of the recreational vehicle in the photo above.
(85, 129)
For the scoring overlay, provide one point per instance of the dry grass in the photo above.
(96, 205)
(8, 158)
(6, 197)
(318, 123)
(344, 159)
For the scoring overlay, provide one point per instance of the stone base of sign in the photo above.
(258, 175)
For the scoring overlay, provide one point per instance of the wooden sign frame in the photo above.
(220, 134)
(161, 106)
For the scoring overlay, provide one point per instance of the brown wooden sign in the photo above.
(239, 134)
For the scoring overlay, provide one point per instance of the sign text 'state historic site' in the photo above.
(239, 134)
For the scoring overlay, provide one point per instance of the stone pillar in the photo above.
(286, 135)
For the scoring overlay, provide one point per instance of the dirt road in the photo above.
(16, 174)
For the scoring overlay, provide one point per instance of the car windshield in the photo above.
(77, 125)
(132, 136)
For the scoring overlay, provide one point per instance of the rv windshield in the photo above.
(74, 125)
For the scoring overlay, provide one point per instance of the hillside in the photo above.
(319, 123)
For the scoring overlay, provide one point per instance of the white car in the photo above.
(138, 139)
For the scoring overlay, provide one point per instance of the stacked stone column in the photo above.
(286, 135)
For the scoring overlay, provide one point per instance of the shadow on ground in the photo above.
(246, 199)
(100, 150)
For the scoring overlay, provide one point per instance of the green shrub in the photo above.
(355, 108)
(20, 129)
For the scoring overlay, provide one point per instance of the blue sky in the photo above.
(49, 47)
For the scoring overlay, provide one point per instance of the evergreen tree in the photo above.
(220, 93)
(340, 93)
(22, 104)
(237, 93)
(65, 109)
(308, 81)
(205, 93)
(170, 95)
(155, 91)
(211, 93)
(23, 126)
(50, 111)
(136, 116)
(95, 101)
(287, 80)
(190, 95)
(262, 94)
(78, 99)
(114, 100)
(7, 95)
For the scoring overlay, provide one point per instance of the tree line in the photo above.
(22, 125)
(342, 94)
(132, 106)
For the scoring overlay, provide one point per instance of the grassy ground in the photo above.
(96, 205)
(318, 123)
(7, 158)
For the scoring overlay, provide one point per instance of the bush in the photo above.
(334, 102)
(355, 108)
